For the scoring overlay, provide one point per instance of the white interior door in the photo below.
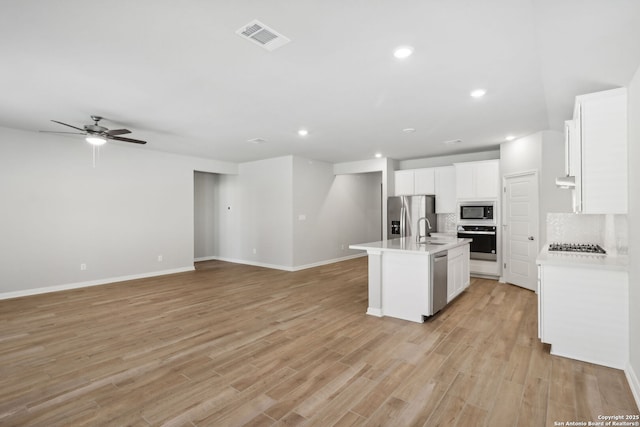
(521, 229)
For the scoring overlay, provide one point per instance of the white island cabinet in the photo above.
(400, 275)
(458, 276)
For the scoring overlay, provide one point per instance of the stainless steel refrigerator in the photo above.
(403, 213)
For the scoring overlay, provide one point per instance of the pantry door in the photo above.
(520, 227)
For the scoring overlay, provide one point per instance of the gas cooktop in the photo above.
(585, 248)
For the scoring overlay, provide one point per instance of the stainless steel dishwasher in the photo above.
(438, 289)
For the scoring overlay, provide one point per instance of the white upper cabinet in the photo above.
(478, 180)
(598, 152)
(445, 178)
(404, 183)
(440, 181)
(424, 181)
(414, 181)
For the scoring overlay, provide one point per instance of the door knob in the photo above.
(531, 238)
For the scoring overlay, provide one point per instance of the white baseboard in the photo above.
(245, 262)
(205, 258)
(68, 286)
(280, 267)
(374, 312)
(634, 384)
(329, 261)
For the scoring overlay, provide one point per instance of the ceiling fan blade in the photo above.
(118, 138)
(114, 132)
(64, 124)
(53, 131)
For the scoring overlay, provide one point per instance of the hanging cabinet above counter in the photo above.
(596, 153)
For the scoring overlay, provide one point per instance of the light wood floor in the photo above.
(239, 345)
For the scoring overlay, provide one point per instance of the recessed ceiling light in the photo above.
(478, 93)
(510, 138)
(303, 132)
(403, 52)
(378, 155)
(408, 130)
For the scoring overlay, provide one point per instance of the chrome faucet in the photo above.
(426, 234)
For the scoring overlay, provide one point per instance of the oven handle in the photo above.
(490, 233)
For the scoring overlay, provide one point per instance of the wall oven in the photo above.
(483, 245)
(477, 212)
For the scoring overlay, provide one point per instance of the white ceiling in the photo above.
(176, 74)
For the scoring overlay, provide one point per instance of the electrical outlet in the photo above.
(342, 247)
(83, 267)
(255, 251)
(159, 258)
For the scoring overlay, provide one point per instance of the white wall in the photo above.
(634, 232)
(295, 212)
(331, 212)
(544, 153)
(206, 217)
(59, 212)
(429, 162)
(552, 198)
(258, 206)
(521, 155)
(385, 166)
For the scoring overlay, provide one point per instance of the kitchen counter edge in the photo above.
(606, 262)
(409, 245)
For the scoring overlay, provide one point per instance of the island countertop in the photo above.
(409, 245)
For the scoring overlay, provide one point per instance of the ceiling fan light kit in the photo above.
(97, 134)
(95, 140)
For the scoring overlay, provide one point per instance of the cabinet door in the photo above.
(404, 183)
(465, 185)
(445, 189)
(453, 278)
(487, 179)
(478, 180)
(604, 153)
(575, 156)
(424, 181)
(466, 260)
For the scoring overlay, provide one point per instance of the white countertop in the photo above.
(606, 262)
(409, 245)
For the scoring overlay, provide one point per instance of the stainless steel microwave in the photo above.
(476, 212)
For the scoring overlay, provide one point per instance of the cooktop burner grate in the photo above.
(587, 248)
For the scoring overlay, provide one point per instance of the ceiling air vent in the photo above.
(262, 35)
(257, 140)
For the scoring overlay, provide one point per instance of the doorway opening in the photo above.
(206, 220)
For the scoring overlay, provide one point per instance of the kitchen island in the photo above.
(401, 275)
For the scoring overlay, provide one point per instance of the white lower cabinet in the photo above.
(583, 313)
(457, 271)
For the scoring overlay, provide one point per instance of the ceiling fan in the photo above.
(97, 134)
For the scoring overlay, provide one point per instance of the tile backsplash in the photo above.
(609, 231)
(447, 223)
